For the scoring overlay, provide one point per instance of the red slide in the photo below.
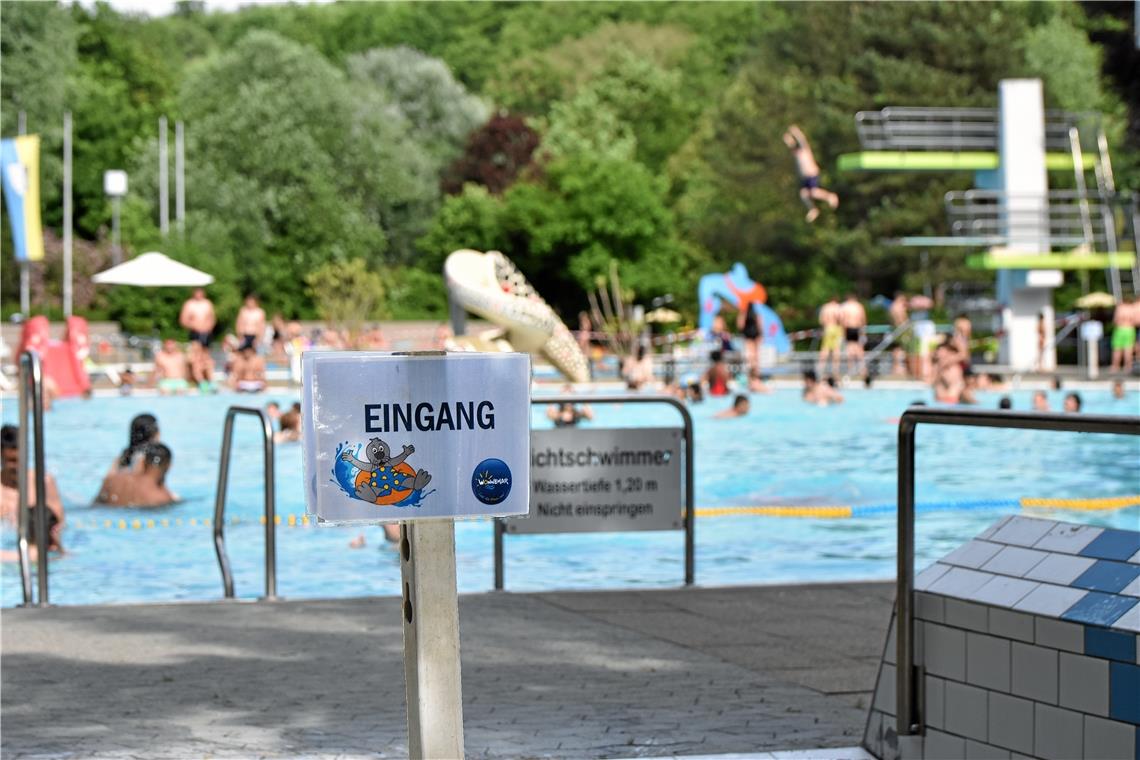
(62, 359)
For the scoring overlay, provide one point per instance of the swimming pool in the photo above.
(784, 452)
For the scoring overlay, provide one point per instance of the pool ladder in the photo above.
(31, 392)
(270, 503)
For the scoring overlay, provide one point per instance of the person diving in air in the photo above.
(810, 190)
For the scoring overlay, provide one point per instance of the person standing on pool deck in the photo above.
(250, 324)
(10, 496)
(829, 317)
(899, 316)
(810, 190)
(853, 317)
(1123, 335)
(198, 317)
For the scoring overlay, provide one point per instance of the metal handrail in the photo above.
(31, 386)
(955, 129)
(270, 503)
(686, 435)
(909, 720)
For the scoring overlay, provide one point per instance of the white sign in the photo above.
(115, 183)
(594, 480)
(1092, 330)
(392, 437)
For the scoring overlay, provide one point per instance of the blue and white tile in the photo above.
(1004, 591)
(960, 582)
(1107, 576)
(1098, 608)
(972, 554)
(994, 528)
(1023, 531)
(923, 580)
(1135, 558)
(1132, 589)
(1068, 538)
(1130, 621)
(1015, 561)
(1050, 600)
(1061, 569)
(1113, 544)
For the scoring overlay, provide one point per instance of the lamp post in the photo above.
(115, 187)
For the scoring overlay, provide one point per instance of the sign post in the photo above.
(422, 439)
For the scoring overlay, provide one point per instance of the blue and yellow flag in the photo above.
(20, 169)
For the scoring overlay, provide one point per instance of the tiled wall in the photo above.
(1027, 637)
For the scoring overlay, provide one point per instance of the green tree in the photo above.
(347, 294)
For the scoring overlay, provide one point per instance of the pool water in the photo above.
(783, 452)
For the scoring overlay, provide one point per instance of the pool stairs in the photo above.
(1026, 645)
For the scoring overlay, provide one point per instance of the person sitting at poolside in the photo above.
(638, 370)
(143, 488)
(201, 368)
(143, 431)
(1072, 403)
(171, 369)
(820, 394)
(568, 415)
(949, 378)
(810, 190)
(248, 374)
(1040, 402)
(739, 408)
(10, 496)
(127, 382)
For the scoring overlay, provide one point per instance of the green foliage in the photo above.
(347, 294)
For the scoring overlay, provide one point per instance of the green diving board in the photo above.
(1067, 261)
(940, 161)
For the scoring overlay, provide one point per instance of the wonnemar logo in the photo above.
(491, 481)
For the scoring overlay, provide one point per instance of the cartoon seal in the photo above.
(385, 479)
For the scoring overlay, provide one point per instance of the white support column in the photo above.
(431, 640)
(1025, 295)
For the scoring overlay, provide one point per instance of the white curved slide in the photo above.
(490, 286)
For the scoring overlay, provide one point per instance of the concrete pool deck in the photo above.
(648, 673)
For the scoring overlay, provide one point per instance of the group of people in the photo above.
(844, 328)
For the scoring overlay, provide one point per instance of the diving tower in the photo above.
(1026, 232)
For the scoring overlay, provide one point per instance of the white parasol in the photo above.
(153, 270)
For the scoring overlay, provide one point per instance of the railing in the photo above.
(31, 389)
(270, 503)
(953, 129)
(689, 517)
(1062, 217)
(910, 722)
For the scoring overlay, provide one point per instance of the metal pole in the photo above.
(22, 477)
(431, 639)
(67, 211)
(163, 180)
(116, 250)
(41, 483)
(500, 529)
(25, 274)
(220, 507)
(690, 506)
(179, 177)
(270, 510)
(904, 594)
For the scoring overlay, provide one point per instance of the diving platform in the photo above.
(1071, 261)
(945, 161)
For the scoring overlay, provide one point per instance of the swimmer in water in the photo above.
(142, 488)
(739, 408)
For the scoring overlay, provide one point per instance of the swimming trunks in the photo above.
(250, 386)
(1123, 338)
(851, 335)
(173, 384)
(751, 329)
(810, 183)
(200, 337)
(831, 338)
(247, 341)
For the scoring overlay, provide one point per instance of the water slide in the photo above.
(490, 286)
(738, 290)
(62, 360)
